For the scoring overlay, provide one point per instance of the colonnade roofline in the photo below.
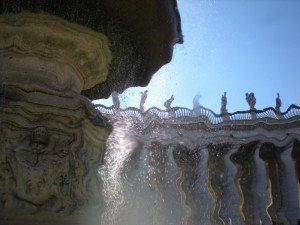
(267, 115)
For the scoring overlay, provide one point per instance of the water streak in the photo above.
(120, 145)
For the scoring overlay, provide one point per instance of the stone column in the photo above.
(187, 183)
(250, 181)
(51, 147)
(221, 172)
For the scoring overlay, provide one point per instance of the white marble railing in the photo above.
(199, 112)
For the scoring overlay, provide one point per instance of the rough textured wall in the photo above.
(50, 153)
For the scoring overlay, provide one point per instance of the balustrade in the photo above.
(201, 113)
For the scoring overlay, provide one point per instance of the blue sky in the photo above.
(236, 46)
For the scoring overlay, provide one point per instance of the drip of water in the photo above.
(120, 145)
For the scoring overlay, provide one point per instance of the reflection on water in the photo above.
(163, 176)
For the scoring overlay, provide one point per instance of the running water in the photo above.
(120, 145)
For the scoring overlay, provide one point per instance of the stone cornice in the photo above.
(19, 100)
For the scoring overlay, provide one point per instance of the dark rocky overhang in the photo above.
(142, 34)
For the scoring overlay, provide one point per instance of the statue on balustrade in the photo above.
(196, 103)
(168, 103)
(251, 100)
(116, 101)
(143, 100)
(278, 103)
(223, 104)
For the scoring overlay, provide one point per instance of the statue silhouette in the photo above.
(196, 103)
(115, 98)
(223, 104)
(143, 100)
(278, 103)
(251, 100)
(168, 103)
